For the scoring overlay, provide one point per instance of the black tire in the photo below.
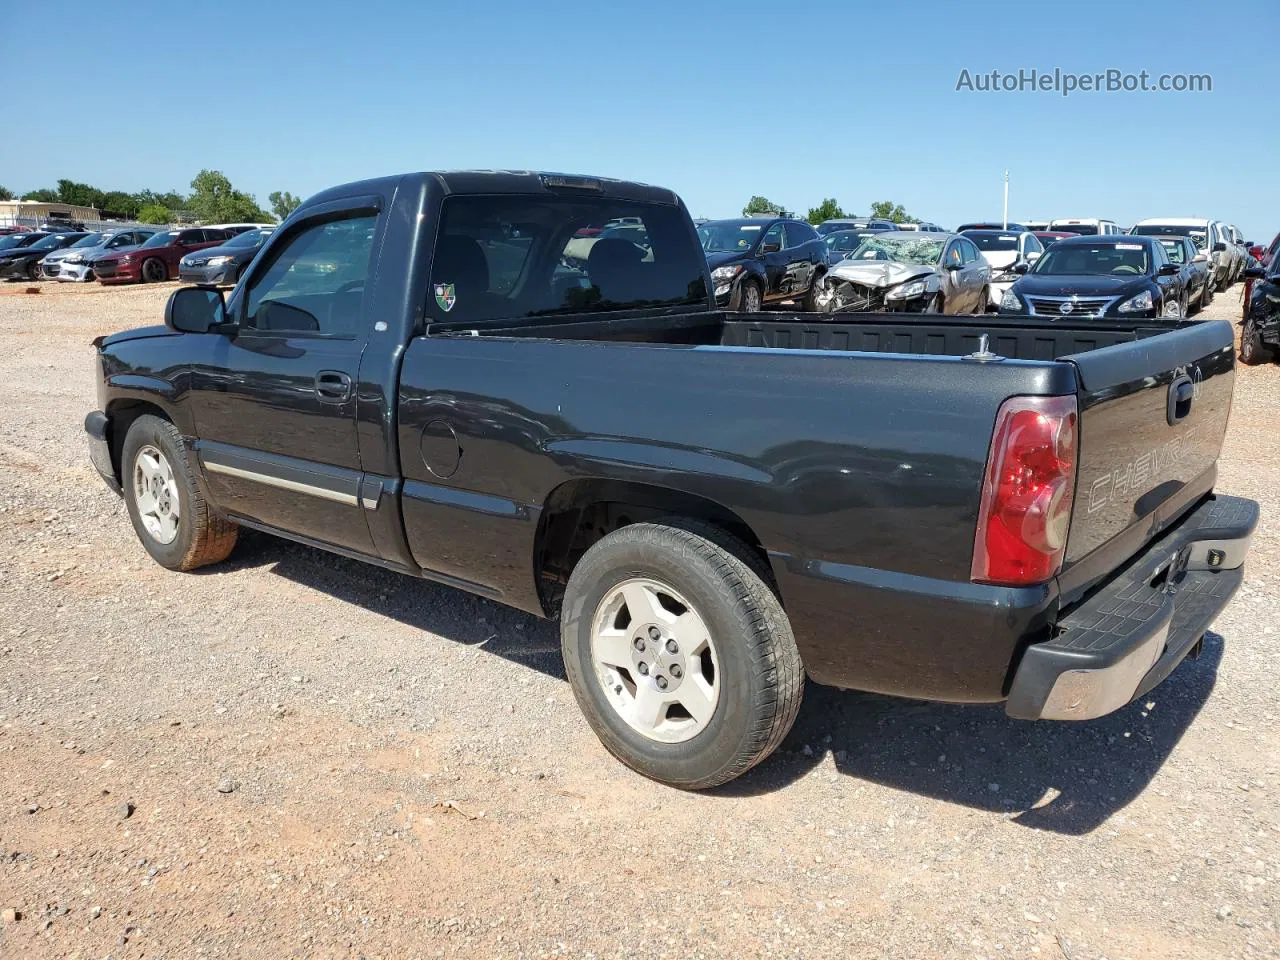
(154, 270)
(761, 676)
(203, 537)
(749, 297)
(1252, 350)
(1225, 283)
(816, 289)
(1206, 295)
(33, 271)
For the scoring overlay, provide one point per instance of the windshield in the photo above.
(925, 251)
(92, 240)
(1093, 260)
(51, 242)
(1199, 235)
(15, 240)
(728, 235)
(161, 239)
(1080, 229)
(250, 238)
(992, 240)
(844, 241)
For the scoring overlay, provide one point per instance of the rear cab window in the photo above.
(511, 257)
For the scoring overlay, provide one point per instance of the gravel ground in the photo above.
(297, 755)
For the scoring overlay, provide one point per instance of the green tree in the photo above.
(828, 209)
(888, 210)
(283, 203)
(120, 204)
(173, 200)
(154, 213)
(43, 195)
(214, 200)
(759, 205)
(80, 194)
(6, 194)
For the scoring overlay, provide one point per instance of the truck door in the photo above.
(275, 411)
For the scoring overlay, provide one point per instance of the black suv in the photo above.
(754, 261)
(1260, 336)
(1118, 276)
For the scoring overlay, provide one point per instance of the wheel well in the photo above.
(121, 415)
(581, 512)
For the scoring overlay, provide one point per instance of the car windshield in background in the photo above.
(1080, 229)
(15, 240)
(161, 239)
(993, 241)
(1199, 235)
(250, 238)
(1093, 260)
(51, 242)
(728, 235)
(925, 251)
(844, 241)
(504, 257)
(92, 240)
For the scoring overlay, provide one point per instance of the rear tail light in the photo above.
(1027, 492)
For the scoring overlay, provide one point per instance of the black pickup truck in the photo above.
(715, 505)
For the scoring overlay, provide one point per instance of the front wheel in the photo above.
(154, 271)
(679, 653)
(33, 271)
(936, 305)
(171, 518)
(1174, 310)
(821, 297)
(749, 299)
(1252, 349)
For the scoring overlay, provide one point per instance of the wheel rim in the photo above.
(155, 493)
(151, 270)
(751, 298)
(1173, 310)
(826, 292)
(1246, 342)
(655, 660)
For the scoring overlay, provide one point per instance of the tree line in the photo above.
(212, 200)
(829, 209)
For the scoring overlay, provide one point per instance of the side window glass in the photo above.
(773, 239)
(968, 251)
(954, 256)
(798, 234)
(314, 283)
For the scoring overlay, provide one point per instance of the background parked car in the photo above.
(225, 263)
(1047, 237)
(1260, 333)
(1004, 250)
(1037, 226)
(12, 241)
(1085, 227)
(755, 261)
(1125, 277)
(855, 223)
(991, 225)
(236, 228)
(157, 258)
(1209, 236)
(1196, 273)
(23, 263)
(73, 262)
(913, 272)
(841, 243)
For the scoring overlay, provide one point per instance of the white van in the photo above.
(1086, 227)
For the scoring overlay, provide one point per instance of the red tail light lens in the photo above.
(1027, 492)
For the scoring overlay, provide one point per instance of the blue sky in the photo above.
(717, 101)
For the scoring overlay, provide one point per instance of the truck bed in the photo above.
(1010, 337)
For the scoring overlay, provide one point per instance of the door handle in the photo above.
(333, 386)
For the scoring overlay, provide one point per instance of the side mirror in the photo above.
(770, 247)
(1254, 273)
(1201, 257)
(1022, 267)
(196, 310)
(1167, 270)
(1219, 247)
(1033, 256)
(954, 266)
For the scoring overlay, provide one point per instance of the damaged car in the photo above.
(913, 272)
(1004, 250)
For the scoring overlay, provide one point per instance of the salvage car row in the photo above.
(212, 254)
(1166, 267)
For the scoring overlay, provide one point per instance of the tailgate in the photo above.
(1153, 413)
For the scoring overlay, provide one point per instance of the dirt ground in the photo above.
(294, 755)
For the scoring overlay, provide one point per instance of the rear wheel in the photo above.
(679, 653)
(1252, 350)
(154, 271)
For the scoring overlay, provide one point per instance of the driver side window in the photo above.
(314, 282)
(773, 239)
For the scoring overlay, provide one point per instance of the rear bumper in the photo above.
(98, 427)
(1132, 632)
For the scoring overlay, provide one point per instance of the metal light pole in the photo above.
(1005, 224)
